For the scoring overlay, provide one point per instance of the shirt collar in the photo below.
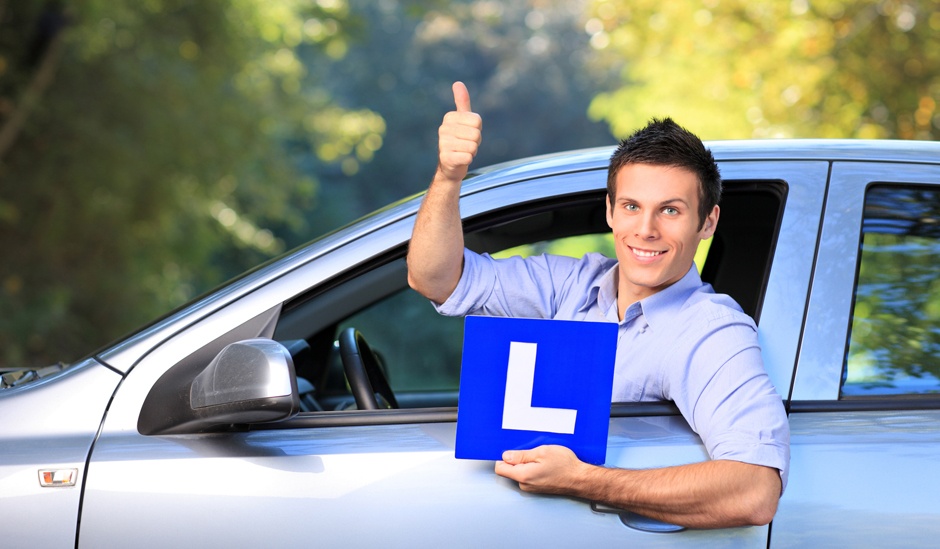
(603, 292)
(658, 307)
(662, 306)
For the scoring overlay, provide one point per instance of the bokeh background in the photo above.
(152, 149)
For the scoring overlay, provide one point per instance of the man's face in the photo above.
(655, 223)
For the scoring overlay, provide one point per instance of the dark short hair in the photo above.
(665, 143)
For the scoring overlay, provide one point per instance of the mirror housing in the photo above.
(249, 381)
(249, 370)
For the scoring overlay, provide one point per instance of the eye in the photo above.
(669, 210)
(631, 207)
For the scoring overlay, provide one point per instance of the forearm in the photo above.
(712, 494)
(435, 255)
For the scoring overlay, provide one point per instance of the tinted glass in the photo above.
(894, 345)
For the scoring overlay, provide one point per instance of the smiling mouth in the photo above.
(645, 253)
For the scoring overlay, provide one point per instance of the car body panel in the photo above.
(861, 479)
(319, 485)
(384, 478)
(780, 322)
(54, 429)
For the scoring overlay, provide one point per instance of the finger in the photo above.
(456, 131)
(516, 457)
(461, 97)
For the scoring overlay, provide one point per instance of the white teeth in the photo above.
(644, 253)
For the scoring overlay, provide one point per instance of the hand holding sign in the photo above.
(459, 136)
(535, 470)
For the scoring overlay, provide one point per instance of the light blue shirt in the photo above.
(685, 343)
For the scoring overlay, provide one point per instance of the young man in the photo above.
(678, 340)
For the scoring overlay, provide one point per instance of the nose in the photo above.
(647, 228)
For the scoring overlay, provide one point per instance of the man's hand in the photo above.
(459, 137)
(435, 255)
(546, 469)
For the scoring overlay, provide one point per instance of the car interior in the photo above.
(413, 353)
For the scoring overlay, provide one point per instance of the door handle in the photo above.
(637, 522)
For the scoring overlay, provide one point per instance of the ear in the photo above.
(711, 223)
(610, 215)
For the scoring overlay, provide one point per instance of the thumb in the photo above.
(515, 457)
(461, 97)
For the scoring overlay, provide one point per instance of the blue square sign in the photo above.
(528, 382)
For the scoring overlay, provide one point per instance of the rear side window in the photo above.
(894, 344)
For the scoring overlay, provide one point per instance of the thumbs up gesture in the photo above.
(459, 137)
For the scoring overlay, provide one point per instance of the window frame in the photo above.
(499, 220)
(823, 342)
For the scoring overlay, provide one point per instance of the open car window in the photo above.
(420, 350)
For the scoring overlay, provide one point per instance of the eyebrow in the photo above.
(661, 204)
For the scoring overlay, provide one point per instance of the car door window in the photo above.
(421, 349)
(894, 342)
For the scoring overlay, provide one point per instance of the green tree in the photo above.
(147, 149)
(528, 65)
(766, 68)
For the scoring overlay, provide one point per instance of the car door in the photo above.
(865, 410)
(358, 478)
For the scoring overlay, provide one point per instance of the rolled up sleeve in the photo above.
(728, 399)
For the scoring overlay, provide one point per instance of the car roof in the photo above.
(866, 150)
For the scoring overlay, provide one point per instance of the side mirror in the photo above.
(250, 370)
(250, 381)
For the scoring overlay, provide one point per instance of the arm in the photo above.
(712, 494)
(435, 256)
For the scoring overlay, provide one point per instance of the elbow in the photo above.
(747, 512)
(435, 285)
(412, 282)
(762, 514)
(417, 285)
(421, 286)
(762, 502)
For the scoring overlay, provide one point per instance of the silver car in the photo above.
(312, 402)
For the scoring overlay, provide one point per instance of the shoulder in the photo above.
(714, 310)
(710, 323)
(595, 262)
(591, 263)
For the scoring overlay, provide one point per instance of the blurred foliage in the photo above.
(798, 68)
(572, 246)
(145, 146)
(527, 65)
(151, 149)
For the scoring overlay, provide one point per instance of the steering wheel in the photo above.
(365, 376)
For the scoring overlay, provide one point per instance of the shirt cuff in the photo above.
(775, 456)
(471, 288)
